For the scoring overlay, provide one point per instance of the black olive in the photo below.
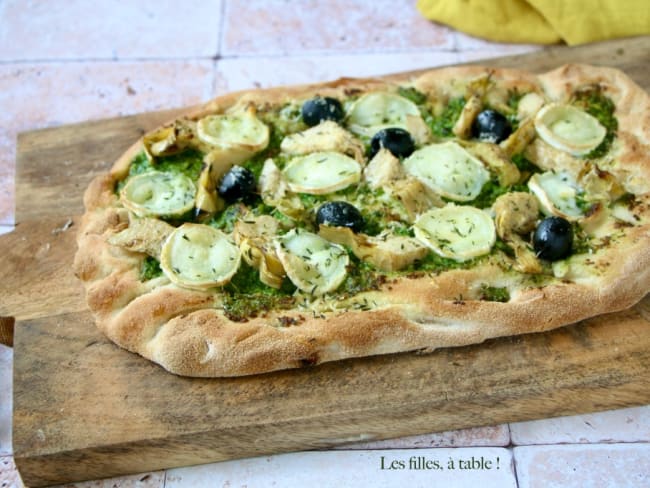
(553, 238)
(340, 214)
(236, 184)
(396, 140)
(491, 126)
(315, 110)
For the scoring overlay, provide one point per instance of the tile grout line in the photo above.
(213, 84)
(600, 443)
(307, 53)
(455, 41)
(509, 434)
(511, 448)
(514, 464)
(108, 60)
(222, 28)
(220, 43)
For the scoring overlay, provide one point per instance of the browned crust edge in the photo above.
(183, 332)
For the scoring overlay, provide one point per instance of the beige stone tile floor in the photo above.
(68, 61)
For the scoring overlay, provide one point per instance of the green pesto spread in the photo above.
(188, 162)
(494, 293)
(410, 93)
(582, 242)
(150, 269)
(491, 191)
(245, 296)
(600, 106)
(361, 277)
(225, 220)
(523, 164)
(514, 97)
(443, 124)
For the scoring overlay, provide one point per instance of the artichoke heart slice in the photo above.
(328, 136)
(159, 142)
(254, 235)
(169, 139)
(557, 194)
(385, 252)
(158, 194)
(321, 172)
(448, 170)
(569, 129)
(456, 232)
(380, 110)
(234, 131)
(198, 256)
(315, 265)
(143, 235)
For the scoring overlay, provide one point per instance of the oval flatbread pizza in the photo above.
(281, 228)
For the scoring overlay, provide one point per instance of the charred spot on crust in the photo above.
(310, 360)
(621, 224)
(351, 92)
(286, 321)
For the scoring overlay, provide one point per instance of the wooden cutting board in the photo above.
(85, 409)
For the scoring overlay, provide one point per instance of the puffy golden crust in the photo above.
(186, 332)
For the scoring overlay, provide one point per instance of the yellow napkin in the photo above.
(542, 21)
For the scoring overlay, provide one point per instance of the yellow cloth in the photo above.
(542, 21)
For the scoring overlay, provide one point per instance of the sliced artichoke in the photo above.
(380, 110)
(327, 136)
(274, 191)
(170, 139)
(463, 126)
(517, 142)
(529, 105)
(569, 129)
(414, 196)
(234, 131)
(207, 200)
(495, 158)
(143, 235)
(313, 264)
(557, 194)
(215, 164)
(251, 226)
(158, 194)
(418, 128)
(516, 215)
(448, 170)
(385, 252)
(382, 168)
(320, 173)
(160, 141)
(479, 86)
(622, 211)
(199, 257)
(264, 259)
(600, 185)
(255, 235)
(456, 232)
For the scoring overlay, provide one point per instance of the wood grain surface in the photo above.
(85, 409)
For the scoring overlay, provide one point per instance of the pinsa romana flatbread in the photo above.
(281, 228)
